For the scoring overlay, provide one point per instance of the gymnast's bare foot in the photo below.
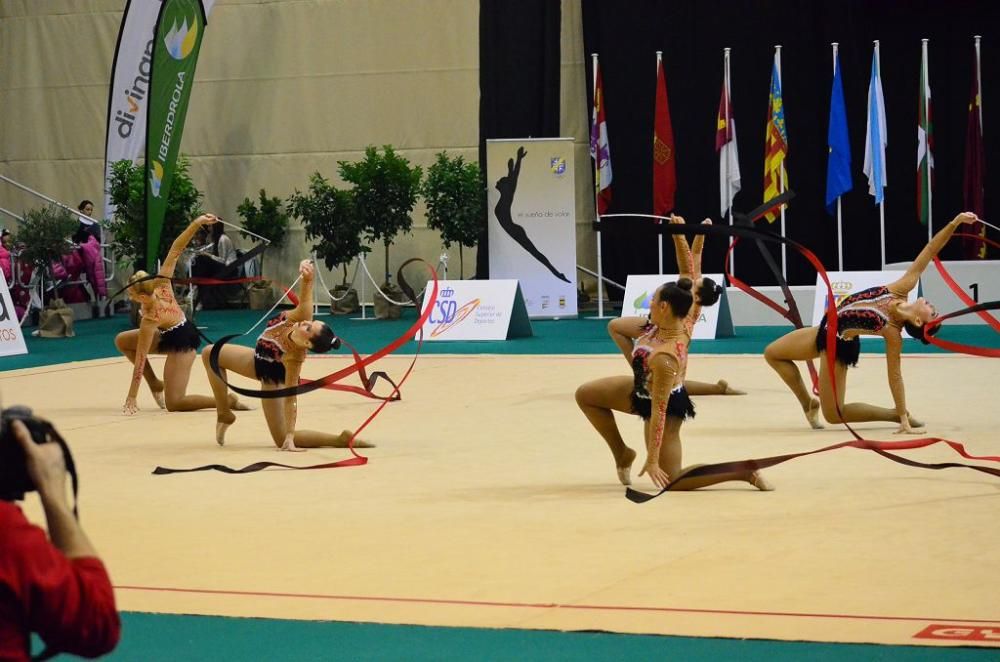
(624, 466)
(726, 389)
(812, 414)
(237, 405)
(344, 440)
(222, 424)
(760, 482)
(161, 401)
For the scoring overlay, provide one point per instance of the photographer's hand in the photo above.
(47, 469)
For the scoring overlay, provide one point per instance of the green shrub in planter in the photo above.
(455, 195)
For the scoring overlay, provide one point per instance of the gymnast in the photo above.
(163, 329)
(655, 393)
(625, 330)
(879, 311)
(276, 362)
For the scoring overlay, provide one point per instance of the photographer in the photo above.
(59, 589)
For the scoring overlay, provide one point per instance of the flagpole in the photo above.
(729, 192)
(659, 63)
(597, 206)
(979, 83)
(927, 132)
(840, 221)
(781, 175)
(881, 205)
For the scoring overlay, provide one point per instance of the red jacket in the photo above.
(68, 602)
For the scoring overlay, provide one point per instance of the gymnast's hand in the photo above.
(676, 220)
(656, 474)
(906, 428)
(521, 153)
(130, 406)
(306, 269)
(206, 219)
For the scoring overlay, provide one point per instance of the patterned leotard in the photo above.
(866, 312)
(642, 401)
(274, 348)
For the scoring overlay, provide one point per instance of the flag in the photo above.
(925, 144)
(180, 29)
(973, 192)
(725, 145)
(775, 142)
(838, 163)
(877, 139)
(664, 160)
(600, 150)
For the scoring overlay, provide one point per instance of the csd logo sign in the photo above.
(447, 313)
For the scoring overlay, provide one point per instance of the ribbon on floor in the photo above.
(883, 448)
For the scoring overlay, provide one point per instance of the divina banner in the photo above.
(129, 88)
(180, 29)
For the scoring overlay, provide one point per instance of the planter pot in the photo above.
(385, 309)
(261, 295)
(346, 300)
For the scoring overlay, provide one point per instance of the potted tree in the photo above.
(270, 221)
(128, 226)
(44, 233)
(330, 218)
(386, 187)
(455, 196)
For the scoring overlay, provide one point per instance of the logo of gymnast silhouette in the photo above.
(507, 186)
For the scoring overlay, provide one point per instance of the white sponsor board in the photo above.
(532, 221)
(11, 338)
(715, 321)
(846, 283)
(476, 310)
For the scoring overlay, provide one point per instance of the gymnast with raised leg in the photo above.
(877, 311)
(163, 329)
(655, 393)
(625, 330)
(276, 362)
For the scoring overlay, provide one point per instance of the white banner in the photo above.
(532, 221)
(11, 339)
(639, 290)
(126, 130)
(476, 310)
(845, 283)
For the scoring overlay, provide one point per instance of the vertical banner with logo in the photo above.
(177, 42)
(532, 221)
(11, 339)
(129, 88)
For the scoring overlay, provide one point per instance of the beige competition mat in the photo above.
(490, 502)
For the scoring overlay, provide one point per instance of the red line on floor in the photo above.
(547, 605)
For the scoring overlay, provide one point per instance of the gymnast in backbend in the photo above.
(625, 330)
(878, 311)
(163, 329)
(656, 394)
(276, 362)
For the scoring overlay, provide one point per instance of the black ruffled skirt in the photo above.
(183, 337)
(678, 406)
(848, 351)
(267, 363)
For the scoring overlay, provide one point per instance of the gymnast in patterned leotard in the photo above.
(655, 392)
(878, 311)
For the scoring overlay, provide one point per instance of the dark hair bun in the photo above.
(685, 284)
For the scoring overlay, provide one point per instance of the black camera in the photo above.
(14, 478)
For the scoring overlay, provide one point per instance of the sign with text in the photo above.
(477, 310)
(531, 223)
(846, 283)
(715, 321)
(11, 338)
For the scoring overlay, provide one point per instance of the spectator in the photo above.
(59, 589)
(214, 263)
(86, 207)
(6, 244)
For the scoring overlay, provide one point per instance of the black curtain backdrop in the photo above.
(518, 79)
(692, 34)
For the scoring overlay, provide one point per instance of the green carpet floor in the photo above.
(95, 338)
(156, 637)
